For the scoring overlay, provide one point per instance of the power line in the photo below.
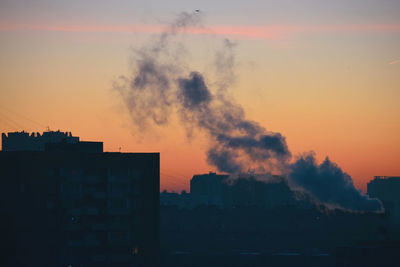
(23, 116)
(14, 124)
(8, 124)
(178, 182)
(176, 173)
(172, 176)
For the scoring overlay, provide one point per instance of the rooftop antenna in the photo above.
(48, 128)
(119, 149)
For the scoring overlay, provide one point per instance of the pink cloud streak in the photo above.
(246, 32)
(394, 62)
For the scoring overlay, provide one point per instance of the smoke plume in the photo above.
(329, 184)
(161, 83)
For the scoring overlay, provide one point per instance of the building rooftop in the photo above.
(24, 141)
(48, 141)
(386, 178)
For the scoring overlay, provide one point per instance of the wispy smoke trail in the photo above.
(161, 83)
(148, 92)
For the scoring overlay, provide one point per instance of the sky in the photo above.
(325, 74)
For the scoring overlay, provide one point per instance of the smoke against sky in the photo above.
(148, 92)
(162, 83)
(329, 184)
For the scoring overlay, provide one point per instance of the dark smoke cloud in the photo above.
(235, 140)
(329, 184)
(148, 92)
(225, 160)
(193, 92)
(161, 84)
(267, 144)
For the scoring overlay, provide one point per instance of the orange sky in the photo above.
(330, 84)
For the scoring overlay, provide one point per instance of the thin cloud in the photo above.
(276, 32)
(394, 62)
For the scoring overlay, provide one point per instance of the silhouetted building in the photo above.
(182, 200)
(79, 147)
(369, 254)
(269, 194)
(73, 205)
(387, 190)
(255, 236)
(208, 189)
(219, 190)
(23, 141)
(257, 220)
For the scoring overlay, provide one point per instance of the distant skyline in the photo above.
(323, 73)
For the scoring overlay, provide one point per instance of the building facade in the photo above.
(387, 190)
(73, 205)
(208, 189)
(220, 190)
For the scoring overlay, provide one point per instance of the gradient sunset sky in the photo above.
(326, 74)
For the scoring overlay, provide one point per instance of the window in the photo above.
(118, 203)
(72, 188)
(120, 238)
(115, 188)
(136, 175)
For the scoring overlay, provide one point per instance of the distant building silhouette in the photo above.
(71, 204)
(208, 189)
(23, 141)
(182, 200)
(219, 190)
(387, 190)
(252, 220)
